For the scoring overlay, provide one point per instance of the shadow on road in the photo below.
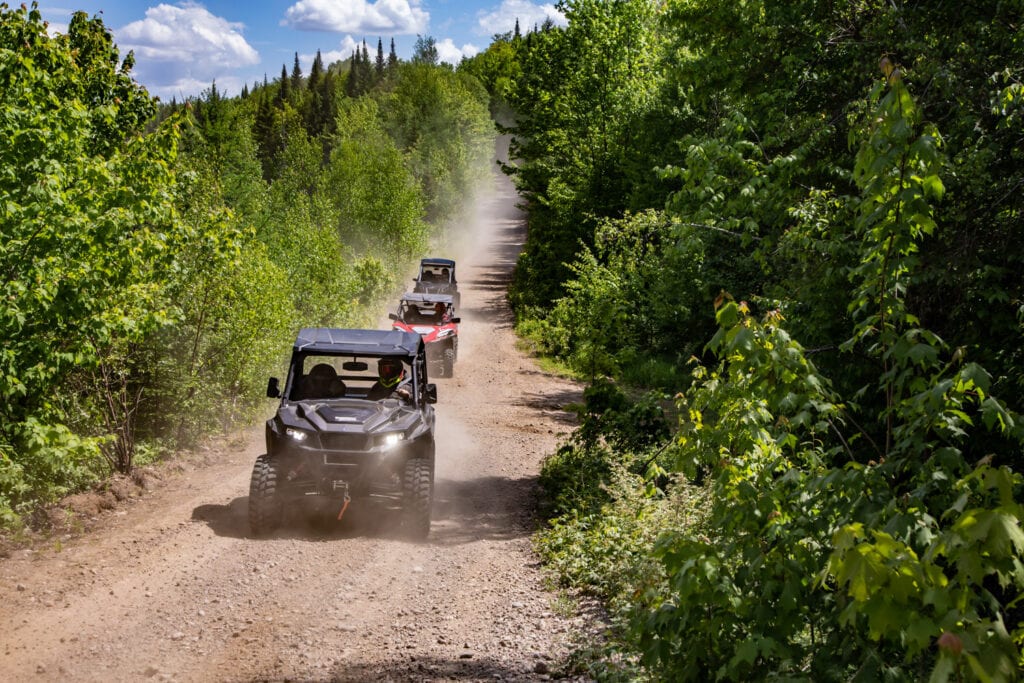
(554, 405)
(482, 509)
(492, 282)
(486, 508)
(462, 665)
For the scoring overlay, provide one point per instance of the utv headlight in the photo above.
(391, 440)
(296, 434)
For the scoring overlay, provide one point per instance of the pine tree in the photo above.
(327, 109)
(265, 134)
(315, 120)
(516, 35)
(365, 71)
(379, 66)
(210, 114)
(315, 72)
(352, 82)
(245, 91)
(284, 89)
(392, 58)
(296, 83)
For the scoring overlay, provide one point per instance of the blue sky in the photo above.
(181, 47)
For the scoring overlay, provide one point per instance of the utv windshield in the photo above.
(324, 377)
(423, 313)
(436, 273)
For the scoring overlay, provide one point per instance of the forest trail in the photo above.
(171, 587)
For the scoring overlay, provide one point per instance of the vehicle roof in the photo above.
(437, 262)
(425, 297)
(358, 342)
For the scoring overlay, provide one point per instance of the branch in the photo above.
(714, 227)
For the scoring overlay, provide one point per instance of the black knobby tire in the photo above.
(265, 509)
(448, 362)
(417, 492)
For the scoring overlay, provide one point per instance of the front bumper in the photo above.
(336, 464)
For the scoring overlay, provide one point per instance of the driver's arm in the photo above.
(404, 391)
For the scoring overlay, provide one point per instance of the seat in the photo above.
(321, 382)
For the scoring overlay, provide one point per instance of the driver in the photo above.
(440, 313)
(391, 381)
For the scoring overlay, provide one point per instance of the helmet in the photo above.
(439, 308)
(390, 371)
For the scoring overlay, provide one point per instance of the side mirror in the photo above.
(431, 392)
(392, 316)
(456, 320)
(273, 388)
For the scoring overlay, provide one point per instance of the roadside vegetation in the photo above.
(782, 240)
(157, 258)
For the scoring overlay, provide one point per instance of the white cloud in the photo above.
(343, 52)
(53, 28)
(448, 52)
(503, 18)
(357, 16)
(181, 49)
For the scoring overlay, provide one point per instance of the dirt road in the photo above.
(171, 587)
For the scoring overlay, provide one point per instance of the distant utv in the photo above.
(437, 276)
(432, 316)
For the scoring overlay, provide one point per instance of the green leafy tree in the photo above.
(841, 541)
(381, 202)
(497, 68)
(440, 119)
(860, 528)
(578, 102)
(89, 236)
(425, 51)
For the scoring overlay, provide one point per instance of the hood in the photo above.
(348, 415)
(430, 333)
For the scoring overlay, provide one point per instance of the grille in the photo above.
(345, 442)
(340, 460)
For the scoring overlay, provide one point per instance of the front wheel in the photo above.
(265, 508)
(417, 492)
(448, 363)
